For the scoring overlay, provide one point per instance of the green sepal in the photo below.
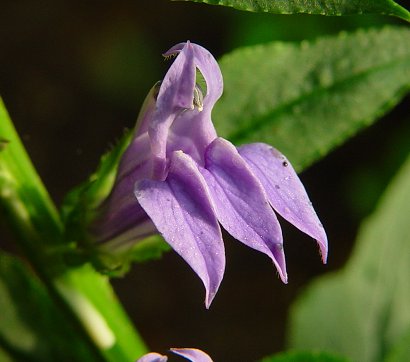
(81, 205)
(117, 263)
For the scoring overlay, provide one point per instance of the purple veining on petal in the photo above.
(124, 239)
(181, 209)
(120, 216)
(241, 204)
(116, 220)
(152, 357)
(286, 192)
(136, 160)
(191, 132)
(192, 354)
(121, 209)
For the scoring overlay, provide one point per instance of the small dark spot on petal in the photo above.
(285, 164)
(277, 187)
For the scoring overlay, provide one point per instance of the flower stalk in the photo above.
(84, 295)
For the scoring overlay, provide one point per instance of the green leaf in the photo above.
(31, 327)
(362, 311)
(401, 350)
(3, 143)
(4, 356)
(324, 7)
(304, 357)
(308, 98)
(23, 198)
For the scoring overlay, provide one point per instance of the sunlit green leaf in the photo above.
(4, 356)
(308, 98)
(324, 7)
(401, 350)
(3, 143)
(364, 310)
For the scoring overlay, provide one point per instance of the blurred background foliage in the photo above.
(73, 75)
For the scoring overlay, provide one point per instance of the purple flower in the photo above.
(180, 179)
(192, 354)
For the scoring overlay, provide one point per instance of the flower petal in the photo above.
(147, 110)
(193, 354)
(175, 96)
(121, 210)
(177, 88)
(209, 68)
(181, 209)
(175, 100)
(152, 357)
(211, 72)
(241, 204)
(136, 161)
(285, 191)
(124, 239)
(191, 132)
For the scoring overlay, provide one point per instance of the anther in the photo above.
(198, 100)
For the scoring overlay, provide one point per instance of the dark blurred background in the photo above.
(73, 75)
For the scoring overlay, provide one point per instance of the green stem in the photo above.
(86, 295)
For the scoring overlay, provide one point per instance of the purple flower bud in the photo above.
(180, 179)
(152, 357)
(192, 354)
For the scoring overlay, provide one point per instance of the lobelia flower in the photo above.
(178, 178)
(192, 354)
